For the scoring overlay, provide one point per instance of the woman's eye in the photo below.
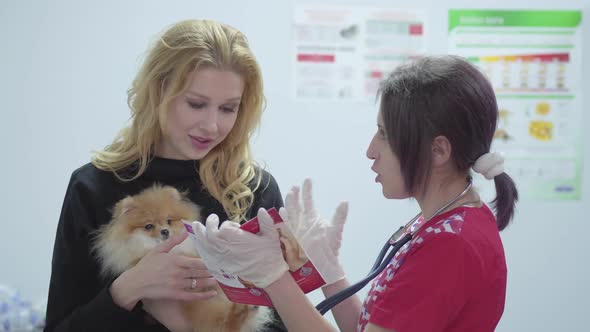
(196, 106)
(149, 227)
(229, 109)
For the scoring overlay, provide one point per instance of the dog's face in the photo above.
(139, 223)
(154, 215)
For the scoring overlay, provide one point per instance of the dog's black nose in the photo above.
(165, 233)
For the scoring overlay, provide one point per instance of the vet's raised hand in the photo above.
(255, 258)
(164, 275)
(320, 238)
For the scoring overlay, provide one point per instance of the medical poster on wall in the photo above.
(342, 53)
(534, 60)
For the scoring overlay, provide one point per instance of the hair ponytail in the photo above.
(505, 202)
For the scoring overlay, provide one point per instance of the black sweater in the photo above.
(79, 299)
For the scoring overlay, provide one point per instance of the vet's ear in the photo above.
(124, 206)
(172, 192)
(441, 150)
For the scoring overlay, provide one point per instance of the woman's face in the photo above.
(386, 164)
(202, 116)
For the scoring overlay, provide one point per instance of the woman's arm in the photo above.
(77, 300)
(297, 312)
(169, 313)
(80, 301)
(374, 328)
(347, 312)
(163, 300)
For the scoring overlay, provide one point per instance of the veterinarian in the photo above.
(194, 103)
(435, 125)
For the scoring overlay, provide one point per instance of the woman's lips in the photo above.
(201, 143)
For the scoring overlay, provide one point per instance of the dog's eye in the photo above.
(149, 227)
(169, 221)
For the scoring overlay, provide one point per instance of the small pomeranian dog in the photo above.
(139, 223)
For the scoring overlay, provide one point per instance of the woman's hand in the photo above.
(292, 251)
(320, 238)
(164, 275)
(255, 258)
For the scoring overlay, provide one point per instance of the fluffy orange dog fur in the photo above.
(141, 222)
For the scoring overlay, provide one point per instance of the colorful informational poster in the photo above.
(342, 53)
(534, 61)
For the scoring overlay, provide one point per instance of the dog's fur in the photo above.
(127, 238)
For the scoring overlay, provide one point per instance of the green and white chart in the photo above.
(534, 60)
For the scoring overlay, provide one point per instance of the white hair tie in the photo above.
(489, 165)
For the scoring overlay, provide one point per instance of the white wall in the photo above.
(65, 67)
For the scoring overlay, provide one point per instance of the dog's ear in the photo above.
(173, 193)
(124, 206)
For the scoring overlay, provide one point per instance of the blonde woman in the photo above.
(195, 102)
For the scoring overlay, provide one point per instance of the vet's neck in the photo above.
(441, 191)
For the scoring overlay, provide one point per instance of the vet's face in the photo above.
(386, 164)
(203, 115)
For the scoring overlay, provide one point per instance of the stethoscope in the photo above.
(402, 236)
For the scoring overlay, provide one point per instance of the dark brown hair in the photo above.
(442, 96)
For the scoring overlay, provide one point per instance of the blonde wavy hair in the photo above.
(228, 171)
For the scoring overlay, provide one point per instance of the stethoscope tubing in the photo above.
(381, 263)
(379, 266)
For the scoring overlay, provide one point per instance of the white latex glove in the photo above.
(320, 239)
(255, 258)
